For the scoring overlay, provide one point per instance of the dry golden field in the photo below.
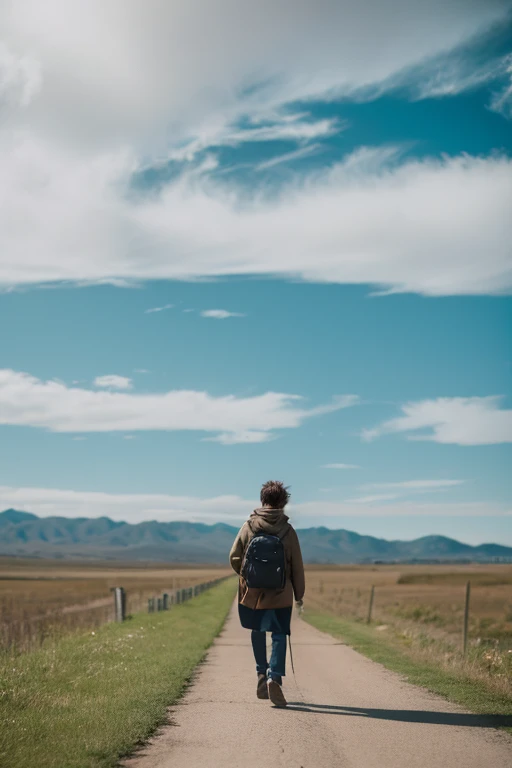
(430, 596)
(39, 599)
(423, 608)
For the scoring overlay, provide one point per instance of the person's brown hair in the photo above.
(274, 494)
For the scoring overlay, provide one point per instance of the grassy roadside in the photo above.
(388, 651)
(88, 700)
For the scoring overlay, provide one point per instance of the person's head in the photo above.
(274, 494)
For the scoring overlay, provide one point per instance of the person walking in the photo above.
(267, 556)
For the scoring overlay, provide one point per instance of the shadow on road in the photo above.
(408, 715)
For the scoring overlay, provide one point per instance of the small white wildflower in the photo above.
(93, 633)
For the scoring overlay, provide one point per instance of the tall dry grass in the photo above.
(422, 608)
(42, 600)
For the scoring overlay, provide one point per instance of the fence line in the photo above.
(29, 632)
(178, 596)
(373, 596)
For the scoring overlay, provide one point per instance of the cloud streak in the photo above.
(341, 466)
(112, 381)
(419, 485)
(158, 309)
(233, 509)
(28, 401)
(220, 314)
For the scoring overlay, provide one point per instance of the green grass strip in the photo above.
(453, 685)
(88, 700)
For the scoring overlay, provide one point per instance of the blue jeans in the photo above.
(276, 668)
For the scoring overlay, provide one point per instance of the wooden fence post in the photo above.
(466, 618)
(165, 601)
(120, 603)
(159, 604)
(370, 605)
(151, 605)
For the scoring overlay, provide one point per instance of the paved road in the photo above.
(347, 712)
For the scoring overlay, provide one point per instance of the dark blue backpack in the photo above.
(264, 565)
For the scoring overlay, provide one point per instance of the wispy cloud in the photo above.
(501, 100)
(401, 490)
(28, 401)
(419, 485)
(112, 381)
(220, 314)
(341, 466)
(299, 128)
(451, 420)
(372, 499)
(246, 436)
(158, 309)
(137, 507)
(287, 157)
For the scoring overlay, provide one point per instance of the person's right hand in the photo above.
(299, 605)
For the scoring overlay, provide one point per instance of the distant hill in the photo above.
(22, 533)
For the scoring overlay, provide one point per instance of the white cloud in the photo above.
(187, 68)
(245, 436)
(282, 127)
(28, 401)
(372, 499)
(233, 509)
(112, 381)
(432, 227)
(339, 510)
(341, 466)
(158, 309)
(178, 76)
(456, 420)
(220, 314)
(311, 149)
(459, 70)
(419, 485)
(502, 99)
(401, 490)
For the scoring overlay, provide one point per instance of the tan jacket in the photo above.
(274, 522)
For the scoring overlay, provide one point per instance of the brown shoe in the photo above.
(276, 694)
(261, 689)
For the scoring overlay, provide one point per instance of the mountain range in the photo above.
(25, 534)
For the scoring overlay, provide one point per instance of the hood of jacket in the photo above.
(268, 520)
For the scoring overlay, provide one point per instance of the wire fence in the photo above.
(23, 630)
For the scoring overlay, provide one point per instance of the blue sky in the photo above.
(273, 265)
